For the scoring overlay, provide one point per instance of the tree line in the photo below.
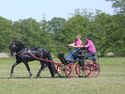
(107, 31)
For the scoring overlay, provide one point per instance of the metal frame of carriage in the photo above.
(81, 67)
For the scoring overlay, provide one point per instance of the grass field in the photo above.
(110, 81)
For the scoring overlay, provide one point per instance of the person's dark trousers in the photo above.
(71, 55)
(91, 56)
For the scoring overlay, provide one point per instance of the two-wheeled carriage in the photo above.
(80, 67)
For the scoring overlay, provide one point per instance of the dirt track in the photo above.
(4, 55)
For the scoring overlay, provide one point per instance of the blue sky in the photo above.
(23, 9)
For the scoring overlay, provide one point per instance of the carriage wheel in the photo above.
(86, 69)
(95, 70)
(77, 69)
(68, 69)
(60, 70)
(91, 70)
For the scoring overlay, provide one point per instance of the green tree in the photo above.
(108, 33)
(118, 5)
(118, 35)
(101, 32)
(75, 25)
(5, 33)
(33, 33)
(55, 25)
(29, 30)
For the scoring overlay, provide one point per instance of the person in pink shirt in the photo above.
(77, 44)
(90, 49)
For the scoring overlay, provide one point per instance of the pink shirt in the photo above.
(78, 42)
(90, 47)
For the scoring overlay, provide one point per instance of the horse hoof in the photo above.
(37, 76)
(31, 75)
(11, 75)
(53, 76)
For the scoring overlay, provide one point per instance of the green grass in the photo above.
(110, 81)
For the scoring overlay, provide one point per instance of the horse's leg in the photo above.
(41, 68)
(51, 66)
(12, 68)
(28, 69)
(51, 69)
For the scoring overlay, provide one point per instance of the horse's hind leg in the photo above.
(41, 68)
(28, 68)
(51, 66)
(12, 69)
(51, 69)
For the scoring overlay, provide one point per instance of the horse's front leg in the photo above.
(28, 69)
(12, 68)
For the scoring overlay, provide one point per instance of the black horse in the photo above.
(18, 50)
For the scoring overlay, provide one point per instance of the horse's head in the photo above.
(16, 47)
(13, 49)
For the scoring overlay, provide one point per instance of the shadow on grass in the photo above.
(57, 77)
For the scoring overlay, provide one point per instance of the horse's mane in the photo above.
(19, 44)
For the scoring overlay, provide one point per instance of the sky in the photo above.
(38, 9)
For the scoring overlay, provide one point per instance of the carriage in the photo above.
(78, 68)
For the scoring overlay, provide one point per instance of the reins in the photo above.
(50, 61)
(42, 59)
(19, 52)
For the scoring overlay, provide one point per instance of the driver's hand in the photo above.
(70, 45)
